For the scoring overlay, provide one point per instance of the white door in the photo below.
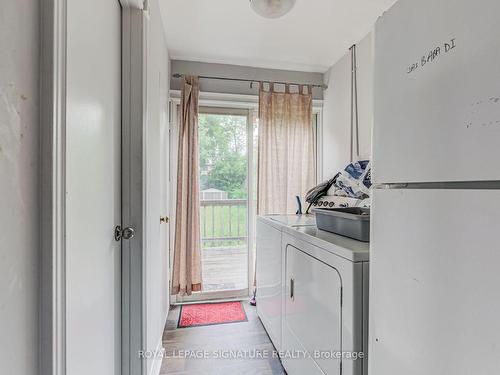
(93, 183)
(312, 314)
(434, 279)
(165, 190)
(437, 92)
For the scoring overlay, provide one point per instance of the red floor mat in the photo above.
(204, 314)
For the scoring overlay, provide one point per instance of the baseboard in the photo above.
(157, 359)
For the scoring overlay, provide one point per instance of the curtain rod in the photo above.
(252, 81)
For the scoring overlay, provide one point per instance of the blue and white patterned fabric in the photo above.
(355, 179)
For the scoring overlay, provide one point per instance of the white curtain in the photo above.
(286, 166)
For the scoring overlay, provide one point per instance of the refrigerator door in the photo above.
(437, 92)
(435, 282)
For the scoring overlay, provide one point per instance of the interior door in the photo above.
(93, 187)
(165, 187)
(313, 314)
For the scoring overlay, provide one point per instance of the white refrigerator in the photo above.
(435, 246)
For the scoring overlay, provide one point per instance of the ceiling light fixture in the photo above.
(272, 8)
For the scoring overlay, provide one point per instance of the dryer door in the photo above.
(312, 316)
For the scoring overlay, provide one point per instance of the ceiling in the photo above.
(313, 36)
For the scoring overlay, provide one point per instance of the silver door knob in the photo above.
(124, 234)
(128, 233)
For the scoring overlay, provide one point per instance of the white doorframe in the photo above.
(134, 65)
(53, 213)
(53, 133)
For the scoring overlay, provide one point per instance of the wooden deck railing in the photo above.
(223, 221)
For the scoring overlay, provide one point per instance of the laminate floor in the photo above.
(225, 349)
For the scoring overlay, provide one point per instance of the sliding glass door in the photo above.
(224, 200)
(226, 148)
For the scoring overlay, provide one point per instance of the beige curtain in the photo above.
(186, 277)
(286, 149)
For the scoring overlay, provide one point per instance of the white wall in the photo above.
(337, 109)
(157, 259)
(19, 187)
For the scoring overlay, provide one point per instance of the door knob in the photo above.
(164, 219)
(124, 234)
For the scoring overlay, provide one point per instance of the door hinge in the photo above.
(146, 9)
(170, 114)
